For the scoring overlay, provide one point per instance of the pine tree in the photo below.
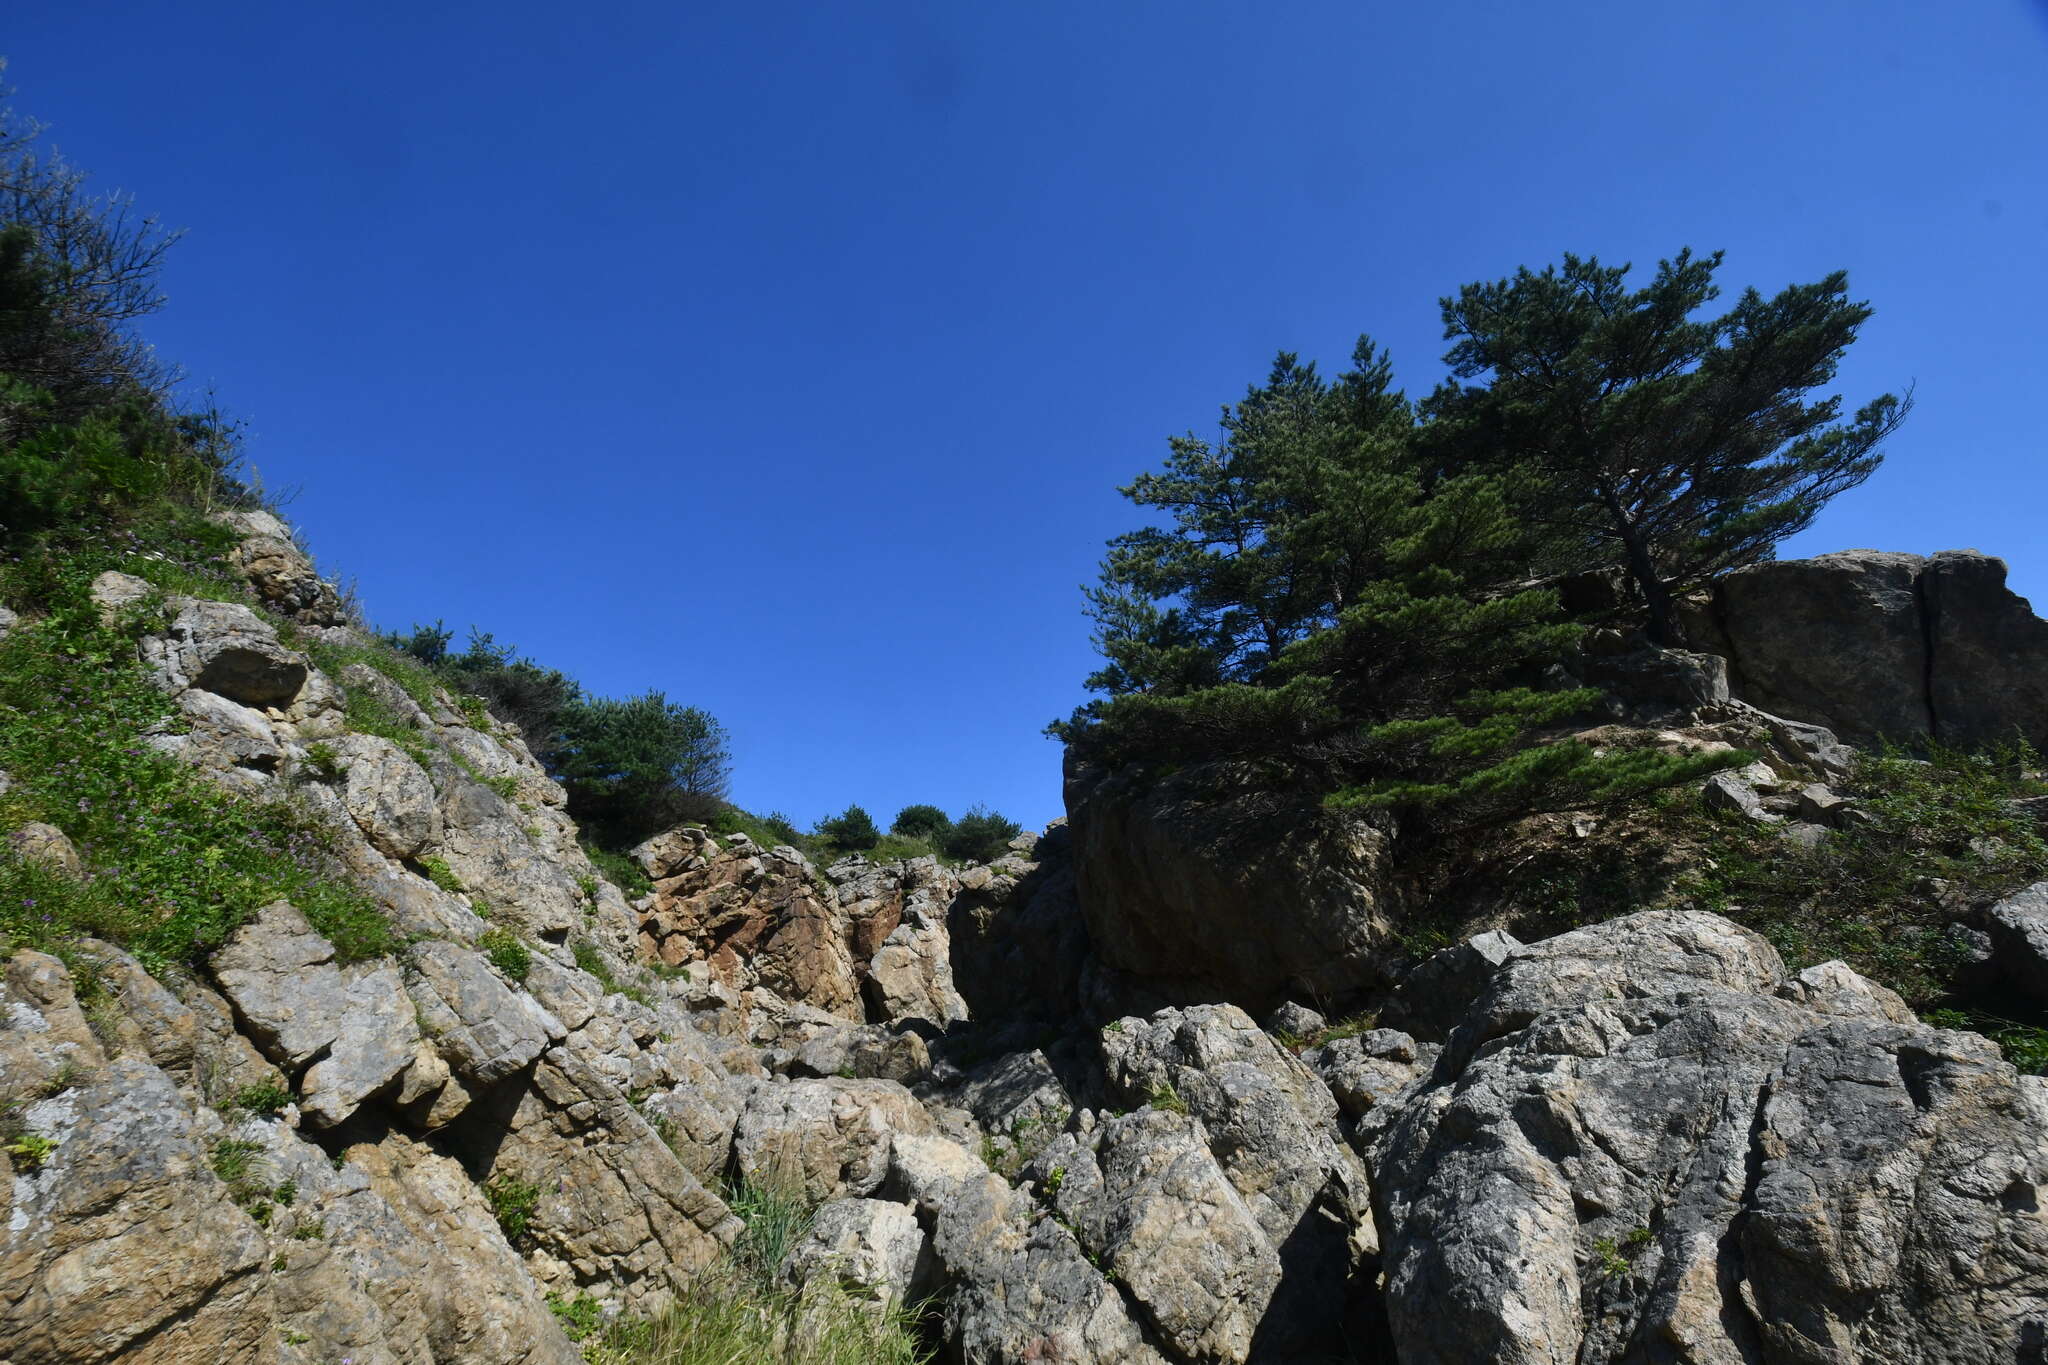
(1674, 446)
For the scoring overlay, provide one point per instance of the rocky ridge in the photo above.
(1081, 1096)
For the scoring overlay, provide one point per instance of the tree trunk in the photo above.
(1664, 630)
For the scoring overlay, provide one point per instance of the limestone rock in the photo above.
(613, 1204)
(1433, 995)
(1022, 1289)
(283, 577)
(1897, 1212)
(2018, 926)
(354, 1025)
(869, 1247)
(225, 648)
(483, 1028)
(828, 1138)
(1990, 678)
(36, 842)
(1157, 1210)
(1272, 1127)
(1646, 1144)
(224, 735)
(1370, 1070)
(757, 919)
(122, 1245)
(389, 796)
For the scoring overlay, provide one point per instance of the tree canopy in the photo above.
(1671, 445)
(1359, 583)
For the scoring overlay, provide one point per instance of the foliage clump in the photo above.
(739, 1311)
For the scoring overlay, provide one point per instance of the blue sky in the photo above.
(787, 358)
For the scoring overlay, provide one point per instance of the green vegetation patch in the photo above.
(175, 862)
(1934, 835)
(736, 1311)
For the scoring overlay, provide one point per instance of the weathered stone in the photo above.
(1433, 995)
(36, 842)
(283, 577)
(121, 1244)
(675, 851)
(1022, 1289)
(615, 1204)
(757, 920)
(223, 735)
(828, 1138)
(225, 648)
(1729, 792)
(873, 1249)
(1210, 883)
(2018, 926)
(1369, 1070)
(1573, 1180)
(389, 796)
(1272, 1128)
(484, 1028)
(1896, 1215)
(1294, 1021)
(1989, 683)
(1163, 1218)
(1836, 640)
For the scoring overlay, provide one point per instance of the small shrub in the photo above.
(922, 822)
(440, 874)
(513, 1203)
(266, 1099)
(504, 784)
(234, 1159)
(980, 836)
(507, 952)
(591, 960)
(31, 1150)
(324, 764)
(579, 1316)
(620, 870)
(852, 830)
(1164, 1097)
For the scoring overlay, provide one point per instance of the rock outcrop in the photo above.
(1646, 1142)
(1878, 645)
(1033, 1090)
(1212, 885)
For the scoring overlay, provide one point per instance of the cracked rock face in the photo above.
(1645, 1144)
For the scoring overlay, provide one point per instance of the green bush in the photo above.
(176, 863)
(851, 831)
(922, 822)
(981, 836)
(507, 952)
(513, 1203)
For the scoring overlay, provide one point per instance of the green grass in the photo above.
(176, 863)
(737, 1314)
(620, 870)
(507, 952)
(412, 676)
(591, 960)
(440, 874)
(513, 1203)
(1870, 894)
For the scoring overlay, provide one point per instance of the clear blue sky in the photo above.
(786, 358)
